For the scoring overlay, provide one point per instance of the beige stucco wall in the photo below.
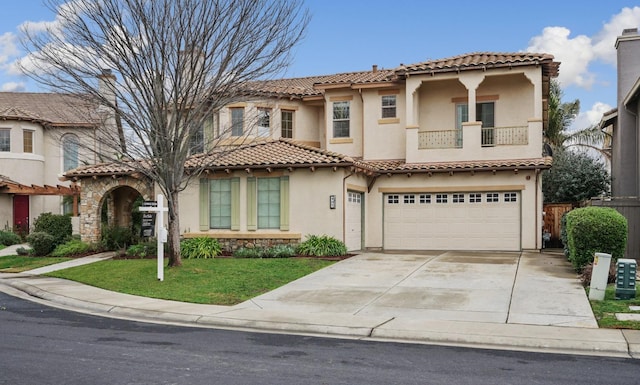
(308, 118)
(524, 182)
(309, 205)
(383, 138)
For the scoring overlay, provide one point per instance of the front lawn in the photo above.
(605, 311)
(19, 263)
(219, 281)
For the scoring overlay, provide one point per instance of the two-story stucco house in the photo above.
(41, 137)
(444, 154)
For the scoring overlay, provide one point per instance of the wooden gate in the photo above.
(553, 213)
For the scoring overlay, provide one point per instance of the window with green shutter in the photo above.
(269, 203)
(220, 203)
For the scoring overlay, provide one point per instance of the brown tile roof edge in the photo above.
(306, 86)
(400, 166)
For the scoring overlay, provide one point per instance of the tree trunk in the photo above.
(173, 237)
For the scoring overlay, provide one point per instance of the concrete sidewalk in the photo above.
(518, 301)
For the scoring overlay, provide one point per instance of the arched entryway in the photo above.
(110, 199)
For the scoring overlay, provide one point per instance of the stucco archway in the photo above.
(119, 194)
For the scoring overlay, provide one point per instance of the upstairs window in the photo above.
(5, 139)
(70, 146)
(27, 141)
(237, 121)
(341, 119)
(286, 118)
(388, 106)
(196, 140)
(264, 122)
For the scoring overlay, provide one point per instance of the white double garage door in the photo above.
(453, 221)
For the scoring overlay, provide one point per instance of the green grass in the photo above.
(605, 311)
(18, 263)
(219, 281)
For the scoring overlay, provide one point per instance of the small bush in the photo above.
(59, 226)
(279, 251)
(8, 238)
(595, 229)
(585, 276)
(322, 246)
(41, 243)
(201, 247)
(116, 237)
(249, 252)
(72, 248)
(22, 251)
(143, 250)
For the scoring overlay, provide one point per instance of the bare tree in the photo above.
(167, 66)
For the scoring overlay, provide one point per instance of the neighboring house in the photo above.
(439, 155)
(41, 137)
(624, 124)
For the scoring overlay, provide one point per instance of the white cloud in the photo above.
(575, 54)
(8, 47)
(13, 87)
(590, 117)
(605, 40)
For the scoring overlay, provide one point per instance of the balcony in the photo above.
(490, 137)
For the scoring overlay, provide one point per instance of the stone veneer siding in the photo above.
(93, 193)
(231, 243)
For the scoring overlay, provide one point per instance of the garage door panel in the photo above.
(466, 224)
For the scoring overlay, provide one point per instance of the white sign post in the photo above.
(161, 232)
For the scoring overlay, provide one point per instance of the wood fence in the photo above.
(553, 213)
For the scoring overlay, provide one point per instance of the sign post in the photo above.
(161, 231)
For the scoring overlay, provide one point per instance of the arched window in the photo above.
(70, 145)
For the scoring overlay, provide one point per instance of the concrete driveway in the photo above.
(490, 287)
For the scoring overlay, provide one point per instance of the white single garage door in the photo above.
(353, 221)
(452, 221)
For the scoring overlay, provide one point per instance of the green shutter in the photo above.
(204, 204)
(235, 204)
(252, 204)
(284, 203)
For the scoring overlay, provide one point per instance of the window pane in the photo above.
(196, 139)
(341, 119)
(237, 121)
(485, 114)
(27, 140)
(264, 122)
(268, 203)
(5, 139)
(70, 152)
(287, 124)
(389, 106)
(220, 203)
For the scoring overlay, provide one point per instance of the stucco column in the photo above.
(535, 79)
(471, 83)
(412, 101)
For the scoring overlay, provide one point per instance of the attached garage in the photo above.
(453, 221)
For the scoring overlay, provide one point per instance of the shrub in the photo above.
(143, 250)
(116, 237)
(279, 251)
(59, 226)
(322, 246)
(201, 247)
(585, 276)
(8, 238)
(72, 248)
(22, 251)
(41, 243)
(249, 252)
(595, 229)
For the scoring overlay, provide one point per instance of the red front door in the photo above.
(21, 214)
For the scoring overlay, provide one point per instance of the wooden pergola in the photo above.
(12, 187)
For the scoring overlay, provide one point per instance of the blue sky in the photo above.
(352, 35)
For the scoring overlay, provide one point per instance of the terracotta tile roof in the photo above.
(277, 153)
(400, 166)
(313, 85)
(483, 60)
(103, 169)
(48, 108)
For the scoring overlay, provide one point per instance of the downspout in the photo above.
(538, 229)
(361, 120)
